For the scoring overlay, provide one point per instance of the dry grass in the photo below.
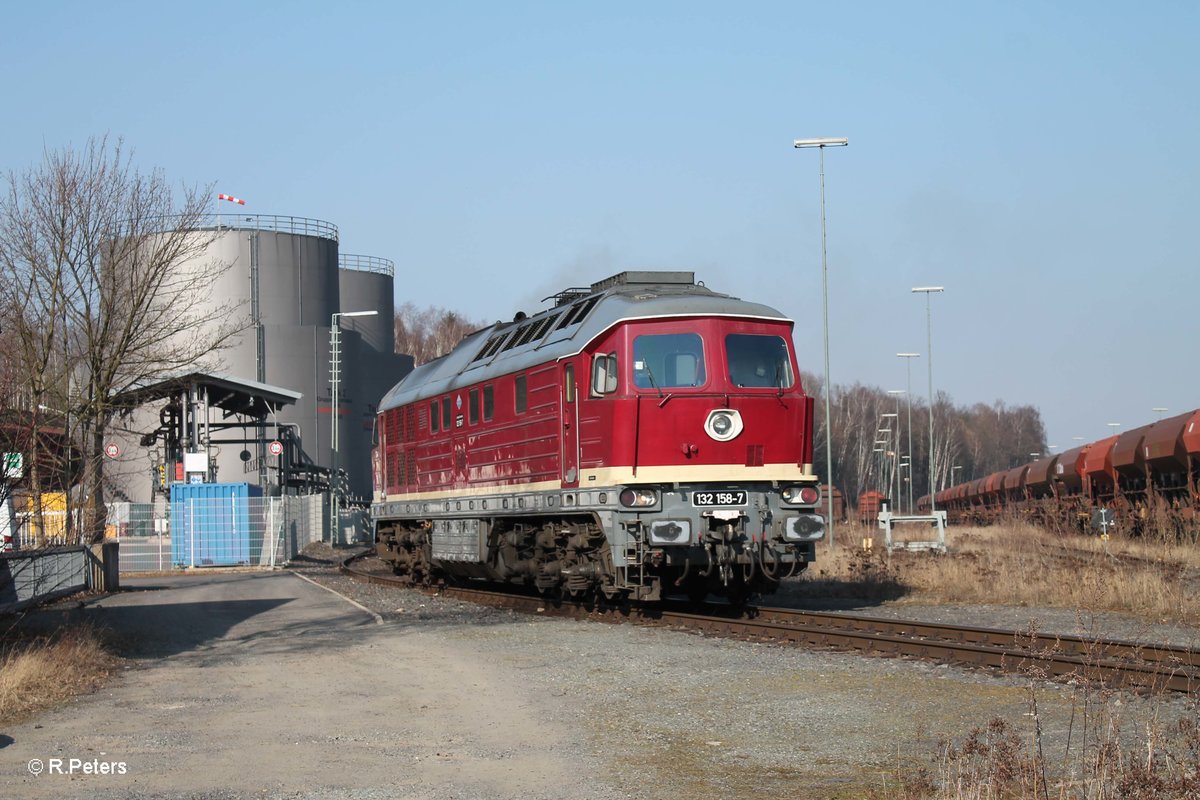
(1156, 580)
(1107, 753)
(43, 672)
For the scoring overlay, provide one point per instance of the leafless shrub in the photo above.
(39, 673)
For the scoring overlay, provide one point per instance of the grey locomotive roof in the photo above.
(565, 329)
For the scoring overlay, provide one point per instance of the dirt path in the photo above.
(266, 685)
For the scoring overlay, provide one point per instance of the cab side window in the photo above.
(604, 374)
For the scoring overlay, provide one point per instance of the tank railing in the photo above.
(269, 222)
(380, 266)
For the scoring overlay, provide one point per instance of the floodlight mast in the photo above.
(928, 291)
(821, 144)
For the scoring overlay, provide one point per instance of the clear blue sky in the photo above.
(1038, 159)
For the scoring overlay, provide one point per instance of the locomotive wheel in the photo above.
(696, 590)
(738, 593)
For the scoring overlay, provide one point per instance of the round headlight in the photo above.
(723, 424)
(638, 498)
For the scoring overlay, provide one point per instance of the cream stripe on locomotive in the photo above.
(613, 476)
(473, 491)
(694, 473)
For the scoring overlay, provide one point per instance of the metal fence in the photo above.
(255, 532)
(27, 578)
(203, 532)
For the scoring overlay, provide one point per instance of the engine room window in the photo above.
(569, 381)
(473, 406)
(757, 361)
(488, 403)
(604, 374)
(446, 414)
(519, 392)
(668, 361)
(433, 416)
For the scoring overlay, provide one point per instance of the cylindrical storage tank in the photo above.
(282, 281)
(287, 271)
(370, 366)
(367, 283)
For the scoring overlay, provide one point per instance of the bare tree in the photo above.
(431, 332)
(103, 264)
(980, 439)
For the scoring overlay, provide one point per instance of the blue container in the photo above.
(211, 523)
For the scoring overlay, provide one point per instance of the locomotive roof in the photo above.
(579, 316)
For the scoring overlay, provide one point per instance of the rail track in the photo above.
(1114, 663)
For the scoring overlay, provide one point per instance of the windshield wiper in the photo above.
(653, 383)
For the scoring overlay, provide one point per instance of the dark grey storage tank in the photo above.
(367, 283)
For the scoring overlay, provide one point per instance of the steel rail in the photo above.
(1113, 663)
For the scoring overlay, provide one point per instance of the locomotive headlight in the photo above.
(804, 528)
(638, 498)
(802, 495)
(723, 424)
(671, 531)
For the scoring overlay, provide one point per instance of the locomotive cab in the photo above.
(708, 449)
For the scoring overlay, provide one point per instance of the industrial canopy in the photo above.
(231, 395)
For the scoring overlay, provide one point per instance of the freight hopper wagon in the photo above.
(643, 436)
(1132, 477)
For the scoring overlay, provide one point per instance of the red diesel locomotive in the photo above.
(641, 437)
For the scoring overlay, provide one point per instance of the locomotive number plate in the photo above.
(729, 498)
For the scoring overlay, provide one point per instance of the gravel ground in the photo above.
(667, 713)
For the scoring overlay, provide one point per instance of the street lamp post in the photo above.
(821, 144)
(928, 292)
(908, 357)
(335, 416)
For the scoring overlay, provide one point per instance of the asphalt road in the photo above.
(266, 685)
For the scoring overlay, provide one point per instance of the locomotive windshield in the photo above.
(758, 361)
(668, 361)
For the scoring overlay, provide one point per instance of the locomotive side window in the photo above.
(519, 393)
(668, 361)
(604, 374)
(569, 379)
(488, 403)
(757, 361)
(433, 416)
(446, 418)
(473, 406)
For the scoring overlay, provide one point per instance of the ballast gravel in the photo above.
(658, 713)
